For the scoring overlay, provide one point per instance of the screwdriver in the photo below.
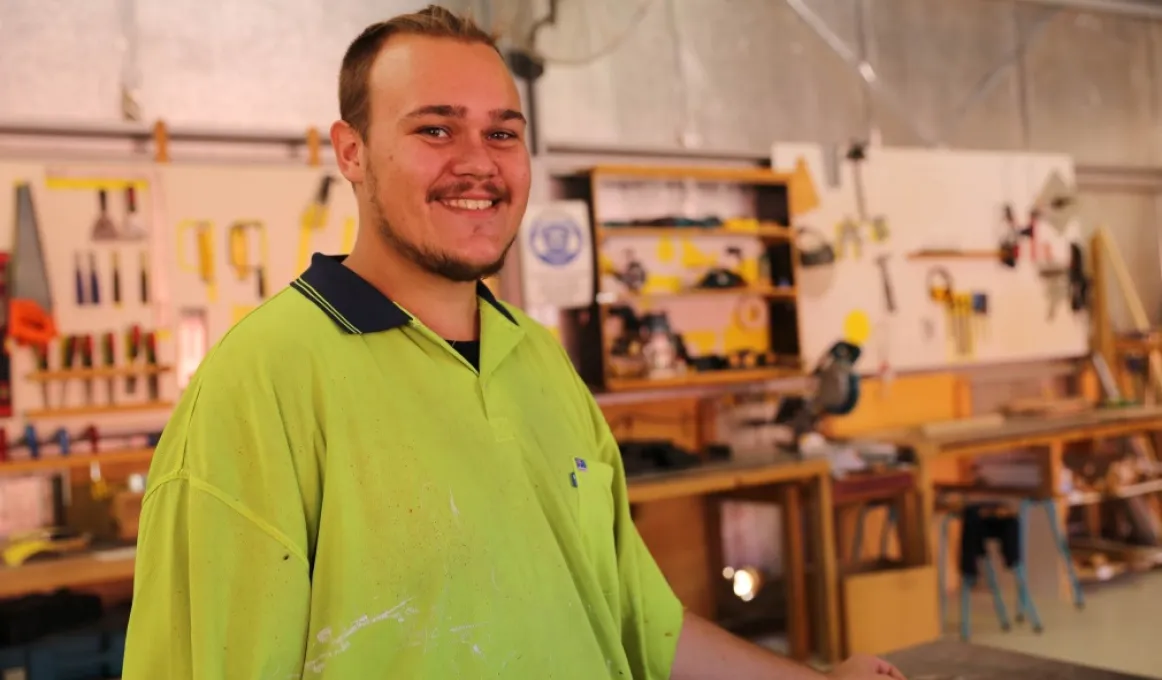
(80, 281)
(151, 361)
(132, 350)
(94, 281)
(86, 349)
(116, 279)
(41, 352)
(144, 277)
(110, 360)
(68, 359)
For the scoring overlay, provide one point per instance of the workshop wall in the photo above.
(721, 74)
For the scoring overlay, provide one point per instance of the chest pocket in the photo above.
(596, 518)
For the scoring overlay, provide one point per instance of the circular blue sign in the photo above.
(555, 240)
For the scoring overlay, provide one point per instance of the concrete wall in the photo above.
(715, 74)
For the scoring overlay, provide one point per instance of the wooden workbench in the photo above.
(81, 571)
(1050, 436)
(773, 478)
(947, 660)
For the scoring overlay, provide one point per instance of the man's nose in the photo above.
(474, 159)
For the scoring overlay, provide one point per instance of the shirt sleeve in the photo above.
(222, 586)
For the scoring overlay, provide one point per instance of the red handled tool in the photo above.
(109, 360)
(151, 360)
(132, 351)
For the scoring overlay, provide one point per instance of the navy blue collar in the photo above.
(354, 304)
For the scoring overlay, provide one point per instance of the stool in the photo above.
(1025, 605)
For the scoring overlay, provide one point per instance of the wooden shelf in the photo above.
(765, 231)
(1128, 491)
(88, 569)
(994, 255)
(661, 172)
(108, 409)
(702, 378)
(100, 372)
(74, 460)
(774, 293)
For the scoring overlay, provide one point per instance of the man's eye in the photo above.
(434, 132)
(502, 135)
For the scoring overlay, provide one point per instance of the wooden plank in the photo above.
(906, 401)
(711, 479)
(826, 612)
(736, 175)
(890, 610)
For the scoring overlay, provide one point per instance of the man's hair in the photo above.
(354, 76)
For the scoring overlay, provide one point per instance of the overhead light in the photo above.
(746, 582)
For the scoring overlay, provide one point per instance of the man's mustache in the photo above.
(494, 192)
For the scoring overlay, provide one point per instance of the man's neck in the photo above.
(449, 308)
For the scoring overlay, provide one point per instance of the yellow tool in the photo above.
(349, 225)
(314, 218)
(203, 231)
(244, 265)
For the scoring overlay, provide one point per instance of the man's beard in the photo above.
(440, 264)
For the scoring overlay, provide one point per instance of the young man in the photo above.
(384, 472)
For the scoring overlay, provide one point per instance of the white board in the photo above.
(935, 199)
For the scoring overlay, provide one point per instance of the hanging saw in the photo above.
(30, 319)
(241, 260)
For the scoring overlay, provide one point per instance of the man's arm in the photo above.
(706, 652)
(222, 586)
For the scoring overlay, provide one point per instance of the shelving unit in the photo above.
(708, 215)
(57, 463)
(107, 409)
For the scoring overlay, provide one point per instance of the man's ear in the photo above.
(348, 147)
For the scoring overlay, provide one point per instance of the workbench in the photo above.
(75, 571)
(1048, 436)
(947, 660)
(789, 482)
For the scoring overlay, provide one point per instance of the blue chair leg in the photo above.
(966, 584)
(1062, 542)
(1024, 596)
(886, 531)
(941, 568)
(990, 573)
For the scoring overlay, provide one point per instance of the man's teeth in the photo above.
(468, 203)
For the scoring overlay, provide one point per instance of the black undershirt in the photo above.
(469, 349)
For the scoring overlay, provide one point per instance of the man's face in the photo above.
(445, 171)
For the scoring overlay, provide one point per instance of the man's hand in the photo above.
(864, 667)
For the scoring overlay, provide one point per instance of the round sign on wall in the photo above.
(555, 239)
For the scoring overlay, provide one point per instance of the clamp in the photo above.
(940, 285)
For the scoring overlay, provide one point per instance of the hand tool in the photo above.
(1017, 232)
(134, 227)
(144, 279)
(94, 280)
(3, 445)
(878, 224)
(847, 235)
(103, 227)
(151, 361)
(69, 350)
(885, 277)
(116, 267)
(980, 310)
(132, 351)
(313, 218)
(349, 226)
(86, 351)
(41, 353)
(109, 359)
(203, 234)
(240, 258)
(79, 276)
(31, 442)
(5, 348)
(30, 319)
(965, 340)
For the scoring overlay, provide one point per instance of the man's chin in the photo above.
(466, 270)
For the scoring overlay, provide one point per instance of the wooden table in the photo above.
(947, 660)
(88, 569)
(1050, 435)
(773, 478)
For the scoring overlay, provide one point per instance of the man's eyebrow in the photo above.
(502, 115)
(442, 110)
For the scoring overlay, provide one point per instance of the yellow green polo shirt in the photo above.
(341, 495)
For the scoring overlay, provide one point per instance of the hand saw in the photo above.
(314, 218)
(30, 320)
